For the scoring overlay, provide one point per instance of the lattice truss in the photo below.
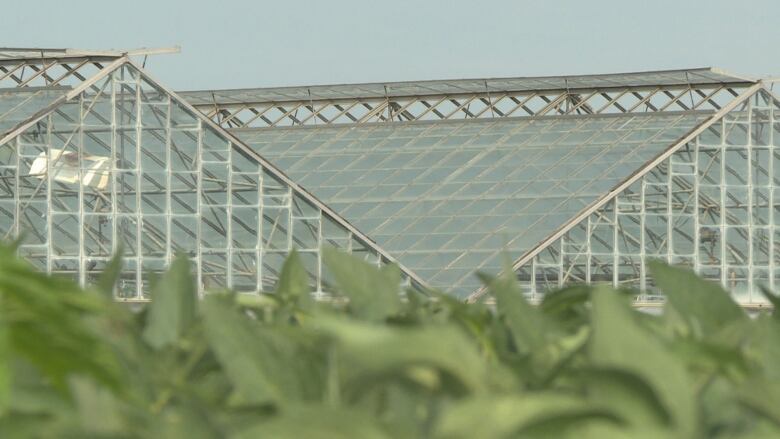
(252, 113)
(50, 70)
(124, 164)
(712, 206)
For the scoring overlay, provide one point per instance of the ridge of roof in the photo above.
(34, 89)
(277, 172)
(425, 122)
(614, 192)
(12, 132)
(34, 53)
(702, 75)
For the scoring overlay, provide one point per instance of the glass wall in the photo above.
(712, 206)
(123, 165)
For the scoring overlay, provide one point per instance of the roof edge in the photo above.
(24, 125)
(281, 175)
(494, 78)
(37, 53)
(614, 192)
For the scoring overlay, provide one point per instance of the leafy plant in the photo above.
(583, 363)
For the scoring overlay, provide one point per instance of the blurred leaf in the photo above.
(711, 357)
(374, 294)
(109, 277)
(569, 306)
(316, 422)
(763, 346)
(525, 321)
(704, 305)
(265, 365)
(619, 343)
(6, 379)
(763, 397)
(293, 283)
(627, 396)
(582, 364)
(512, 416)
(369, 353)
(44, 322)
(183, 421)
(173, 307)
(98, 409)
(547, 346)
(772, 298)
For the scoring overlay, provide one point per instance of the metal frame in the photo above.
(692, 212)
(48, 67)
(407, 185)
(295, 187)
(74, 228)
(77, 212)
(465, 99)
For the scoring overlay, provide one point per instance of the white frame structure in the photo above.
(95, 156)
(178, 183)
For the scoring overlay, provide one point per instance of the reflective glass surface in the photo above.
(712, 207)
(445, 198)
(18, 104)
(125, 165)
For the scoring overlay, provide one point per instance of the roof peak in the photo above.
(704, 75)
(691, 75)
(55, 52)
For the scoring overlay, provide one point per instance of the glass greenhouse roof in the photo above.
(395, 89)
(445, 198)
(18, 104)
(125, 163)
(468, 169)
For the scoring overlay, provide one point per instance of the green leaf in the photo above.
(316, 422)
(625, 394)
(525, 321)
(762, 396)
(705, 306)
(183, 421)
(772, 298)
(5, 366)
(109, 277)
(513, 415)
(98, 409)
(540, 340)
(47, 324)
(619, 343)
(371, 353)
(173, 307)
(763, 345)
(293, 289)
(265, 365)
(569, 307)
(374, 294)
(293, 280)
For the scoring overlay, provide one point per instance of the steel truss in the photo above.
(470, 105)
(122, 162)
(711, 205)
(47, 67)
(175, 181)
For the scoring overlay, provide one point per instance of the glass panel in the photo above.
(131, 167)
(509, 181)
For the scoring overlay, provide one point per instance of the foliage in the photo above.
(583, 363)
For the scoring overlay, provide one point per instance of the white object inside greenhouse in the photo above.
(65, 168)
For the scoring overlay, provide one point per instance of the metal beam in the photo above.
(593, 207)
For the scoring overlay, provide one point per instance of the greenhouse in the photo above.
(572, 178)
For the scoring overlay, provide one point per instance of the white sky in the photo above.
(232, 44)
